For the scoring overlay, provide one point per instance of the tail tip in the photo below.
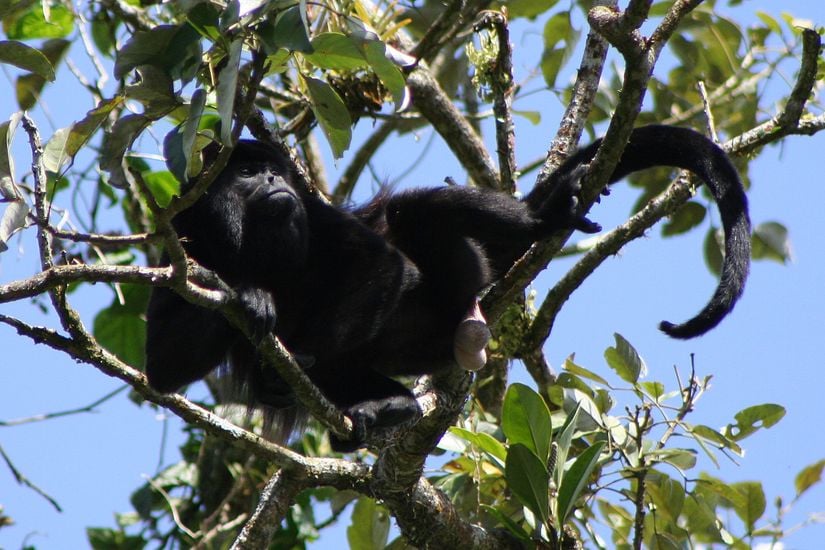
(681, 332)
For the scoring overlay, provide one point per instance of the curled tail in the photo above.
(659, 145)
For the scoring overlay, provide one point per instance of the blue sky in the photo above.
(769, 351)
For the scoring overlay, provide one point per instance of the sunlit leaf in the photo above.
(289, 31)
(508, 523)
(770, 242)
(528, 8)
(225, 91)
(485, 442)
(525, 419)
(560, 39)
(576, 479)
(333, 50)
(34, 23)
(121, 329)
(29, 87)
(527, 477)
(752, 419)
(667, 494)
(163, 185)
(12, 220)
(712, 436)
(808, 477)
(688, 216)
(332, 115)
(713, 247)
(578, 370)
(175, 49)
(8, 190)
(753, 504)
(370, 525)
(27, 58)
(625, 360)
(387, 71)
(117, 142)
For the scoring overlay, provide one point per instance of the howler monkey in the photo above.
(361, 296)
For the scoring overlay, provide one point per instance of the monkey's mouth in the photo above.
(273, 192)
(276, 195)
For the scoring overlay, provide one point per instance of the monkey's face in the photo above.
(267, 194)
(269, 212)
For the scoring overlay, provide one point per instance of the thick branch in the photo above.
(61, 275)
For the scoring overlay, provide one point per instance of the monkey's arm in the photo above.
(184, 342)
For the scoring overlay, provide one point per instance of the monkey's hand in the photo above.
(563, 208)
(259, 307)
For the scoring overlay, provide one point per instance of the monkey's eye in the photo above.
(247, 170)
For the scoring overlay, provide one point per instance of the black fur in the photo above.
(363, 296)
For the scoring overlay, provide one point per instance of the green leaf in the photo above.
(103, 32)
(508, 523)
(770, 242)
(700, 517)
(370, 526)
(189, 130)
(389, 74)
(752, 419)
(8, 189)
(667, 494)
(34, 24)
(564, 440)
(808, 477)
(625, 360)
(336, 51)
(655, 390)
(163, 185)
(582, 372)
(618, 519)
(770, 22)
(688, 216)
(289, 31)
(175, 49)
(569, 381)
(204, 18)
(528, 8)
(576, 479)
(110, 539)
(121, 329)
(752, 506)
(227, 85)
(558, 30)
(527, 477)
(29, 87)
(731, 496)
(525, 419)
(681, 459)
(154, 88)
(713, 247)
(66, 142)
(712, 436)
(332, 115)
(485, 442)
(115, 144)
(534, 117)
(14, 219)
(27, 58)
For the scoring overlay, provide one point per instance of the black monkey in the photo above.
(361, 296)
